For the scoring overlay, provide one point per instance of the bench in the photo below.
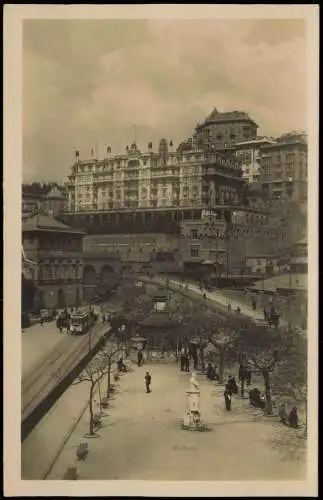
(105, 402)
(82, 451)
(97, 420)
(71, 474)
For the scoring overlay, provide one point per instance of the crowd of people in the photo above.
(188, 354)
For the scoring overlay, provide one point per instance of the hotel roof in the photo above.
(231, 116)
(41, 222)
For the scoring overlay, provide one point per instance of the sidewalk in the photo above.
(36, 343)
(142, 436)
(216, 296)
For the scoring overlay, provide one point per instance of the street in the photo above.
(142, 436)
(36, 344)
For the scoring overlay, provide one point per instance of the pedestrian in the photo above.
(238, 310)
(254, 305)
(182, 359)
(210, 372)
(229, 307)
(204, 295)
(187, 362)
(139, 358)
(293, 418)
(227, 398)
(265, 314)
(148, 382)
(41, 321)
(248, 376)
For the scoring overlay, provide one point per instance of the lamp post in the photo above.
(289, 270)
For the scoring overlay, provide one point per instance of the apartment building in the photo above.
(249, 154)
(230, 236)
(283, 167)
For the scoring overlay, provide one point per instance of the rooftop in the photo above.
(55, 193)
(259, 140)
(229, 116)
(41, 222)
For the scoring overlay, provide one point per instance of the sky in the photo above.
(87, 83)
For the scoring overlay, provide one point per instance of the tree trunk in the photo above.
(99, 392)
(109, 378)
(202, 358)
(269, 404)
(221, 365)
(91, 411)
(242, 387)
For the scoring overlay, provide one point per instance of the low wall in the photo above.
(30, 421)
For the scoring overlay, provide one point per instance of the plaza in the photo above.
(142, 438)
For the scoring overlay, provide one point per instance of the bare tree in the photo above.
(108, 354)
(93, 374)
(266, 349)
(223, 338)
(290, 378)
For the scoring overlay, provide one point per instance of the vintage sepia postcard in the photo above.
(161, 241)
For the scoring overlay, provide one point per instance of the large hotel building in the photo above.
(187, 204)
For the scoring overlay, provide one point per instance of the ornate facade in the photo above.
(151, 180)
(56, 251)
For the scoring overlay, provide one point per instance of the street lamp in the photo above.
(289, 270)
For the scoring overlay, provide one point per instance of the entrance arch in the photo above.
(106, 273)
(89, 275)
(126, 270)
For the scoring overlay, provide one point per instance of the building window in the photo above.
(194, 234)
(195, 251)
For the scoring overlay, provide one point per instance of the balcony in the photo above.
(58, 281)
(65, 253)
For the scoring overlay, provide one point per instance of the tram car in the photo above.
(81, 322)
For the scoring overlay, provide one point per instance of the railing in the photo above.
(65, 254)
(58, 281)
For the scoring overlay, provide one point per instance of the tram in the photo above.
(81, 322)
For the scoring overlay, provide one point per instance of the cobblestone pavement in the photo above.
(142, 437)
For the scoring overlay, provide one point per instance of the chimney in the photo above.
(127, 149)
(171, 146)
(150, 146)
(77, 156)
(109, 151)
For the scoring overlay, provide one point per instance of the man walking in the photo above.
(148, 382)
(139, 358)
